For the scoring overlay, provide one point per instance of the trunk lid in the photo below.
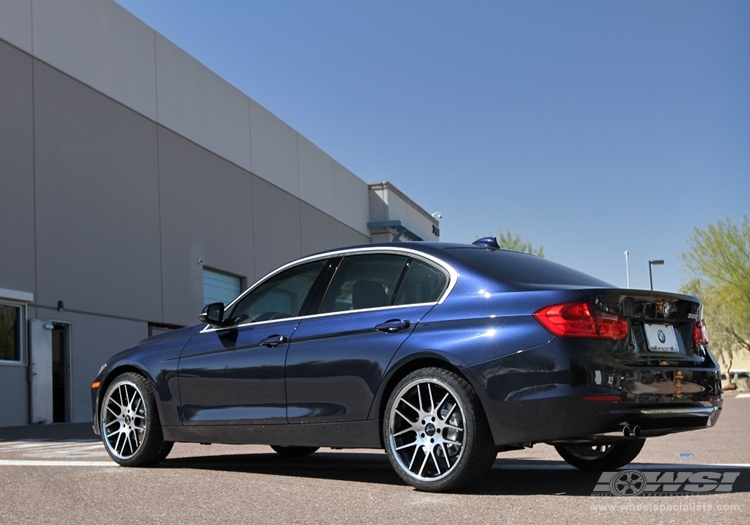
(665, 328)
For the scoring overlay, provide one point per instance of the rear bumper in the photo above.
(563, 393)
(616, 424)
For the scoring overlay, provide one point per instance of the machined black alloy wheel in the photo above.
(129, 423)
(435, 432)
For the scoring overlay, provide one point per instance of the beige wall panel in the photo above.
(15, 23)
(274, 149)
(352, 199)
(102, 45)
(198, 104)
(316, 179)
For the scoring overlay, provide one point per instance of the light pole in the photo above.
(627, 269)
(657, 262)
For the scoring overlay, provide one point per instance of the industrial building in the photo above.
(136, 186)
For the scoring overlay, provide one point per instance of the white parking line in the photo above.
(41, 463)
(743, 396)
(633, 466)
(53, 449)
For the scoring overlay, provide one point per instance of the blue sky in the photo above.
(589, 127)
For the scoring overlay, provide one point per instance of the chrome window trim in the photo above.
(299, 318)
(410, 252)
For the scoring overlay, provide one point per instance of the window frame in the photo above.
(350, 257)
(332, 260)
(438, 265)
(214, 273)
(22, 320)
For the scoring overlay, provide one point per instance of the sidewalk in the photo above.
(52, 432)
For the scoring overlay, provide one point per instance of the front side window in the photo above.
(364, 281)
(11, 324)
(280, 297)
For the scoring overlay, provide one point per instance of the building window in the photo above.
(220, 287)
(11, 333)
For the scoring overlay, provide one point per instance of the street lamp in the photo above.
(657, 262)
(627, 269)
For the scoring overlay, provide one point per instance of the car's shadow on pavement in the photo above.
(507, 477)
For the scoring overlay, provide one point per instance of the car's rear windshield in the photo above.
(522, 268)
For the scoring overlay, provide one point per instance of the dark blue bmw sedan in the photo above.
(442, 354)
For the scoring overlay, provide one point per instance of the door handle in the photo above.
(393, 325)
(274, 340)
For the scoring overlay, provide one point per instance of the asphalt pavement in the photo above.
(61, 474)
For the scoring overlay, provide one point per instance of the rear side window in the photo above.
(421, 284)
(364, 281)
(523, 268)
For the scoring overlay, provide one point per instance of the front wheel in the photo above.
(129, 422)
(435, 432)
(601, 457)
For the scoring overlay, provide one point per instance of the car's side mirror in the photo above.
(213, 314)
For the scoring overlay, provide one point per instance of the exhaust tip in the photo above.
(626, 431)
(636, 431)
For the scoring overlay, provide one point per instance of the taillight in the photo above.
(577, 320)
(700, 334)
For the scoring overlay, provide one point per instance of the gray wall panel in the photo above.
(16, 171)
(206, 212)
(14, 404)
(346, 236)
(276, 223)
(97, 201)
(318, 230)
(93, 340)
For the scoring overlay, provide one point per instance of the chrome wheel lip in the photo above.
(124, 419)
(427, 447)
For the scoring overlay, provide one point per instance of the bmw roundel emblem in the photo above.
(662, 337)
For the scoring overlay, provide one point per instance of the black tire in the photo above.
(435, 432)
(129, 423)
(294, 452)
(601, 457)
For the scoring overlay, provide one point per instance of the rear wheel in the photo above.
(130, 425)
(435, 432)
(294, 452)
(601, 457)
